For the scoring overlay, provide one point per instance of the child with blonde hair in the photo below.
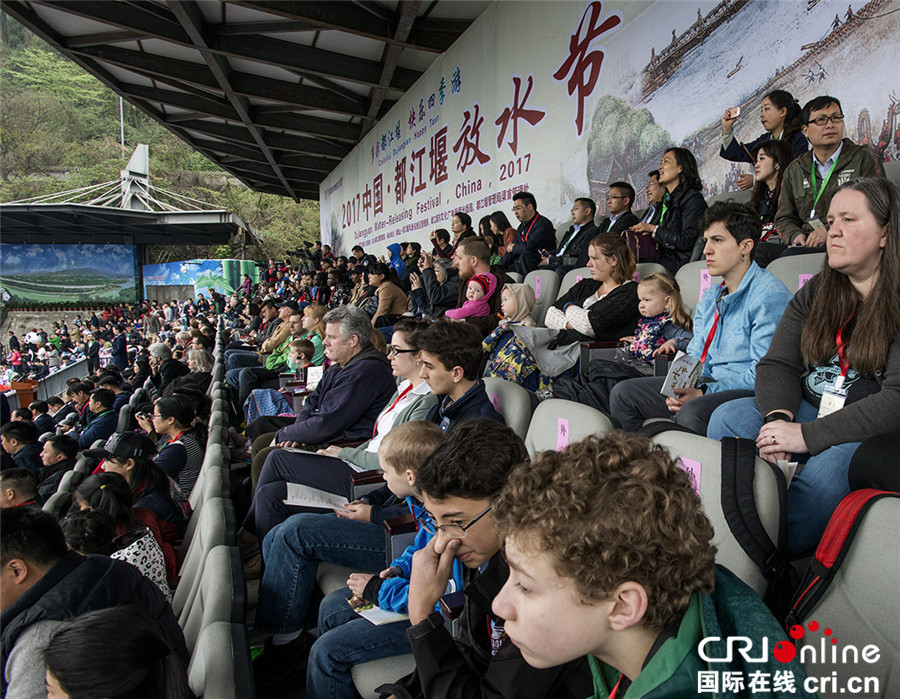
(664, 327)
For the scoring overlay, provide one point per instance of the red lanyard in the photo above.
(712, 331)
(615, 690)
(177, 436)
(841, 350)
(399, 398)
(533, 221)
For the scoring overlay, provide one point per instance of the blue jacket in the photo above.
(747, 321)
(474, 403)
(396, 260)
(100, 427)
(345, 404)
(736, 152)
(393, 593)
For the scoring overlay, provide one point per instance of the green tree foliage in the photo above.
(623, 144)
(59, 130)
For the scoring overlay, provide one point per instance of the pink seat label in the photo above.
(537, 287)
(693, 470)
(705, 282)
(802, 279)
(562, 433)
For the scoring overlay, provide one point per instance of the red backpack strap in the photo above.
(832, 550)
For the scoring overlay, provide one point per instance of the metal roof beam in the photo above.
(191, 18)
(294, 144)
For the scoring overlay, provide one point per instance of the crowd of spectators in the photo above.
(337, 365)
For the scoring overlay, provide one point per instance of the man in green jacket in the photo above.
(811, 180)
(609, 556)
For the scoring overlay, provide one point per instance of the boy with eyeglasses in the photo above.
(812, 179)
(459, 484)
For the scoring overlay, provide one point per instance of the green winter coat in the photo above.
(733, 609)
(798, 194)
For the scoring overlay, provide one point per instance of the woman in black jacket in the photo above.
(682, 208)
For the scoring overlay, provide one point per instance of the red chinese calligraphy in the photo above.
(516, 112)
(400, 184)
(437, 155)
(415, 167)
(367, 200)
(378, 195)
(585, 67)
(467, 145)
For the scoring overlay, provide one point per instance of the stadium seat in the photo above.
(645, 269)
(573, 276)
(515, 276)
(860, 604)
(556, 423)
(222, 594)
(768, 492)
(892, 171)
(70, 481)
(368, 676)
(220, 666)
(57, 502)
(693, 279)
(741, 196)
(796, 270)
(125, 415)
(209, 532)
(546, 287)
(512, 401)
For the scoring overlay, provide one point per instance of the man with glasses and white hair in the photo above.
(812, 179)
(343, 407)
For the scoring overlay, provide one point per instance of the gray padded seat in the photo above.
(558, 423)
(860, 605)
(767, 484)
(792, 268)
(512, 401)
(546, 287)
(689, 278)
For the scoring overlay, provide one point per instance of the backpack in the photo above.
(832, 549)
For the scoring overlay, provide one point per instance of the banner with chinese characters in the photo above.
(561, 98)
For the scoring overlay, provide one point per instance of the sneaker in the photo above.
(280, 671)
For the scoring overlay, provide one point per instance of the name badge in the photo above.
(833, 398)
(814, 221)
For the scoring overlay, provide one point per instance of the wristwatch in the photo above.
(778, 415)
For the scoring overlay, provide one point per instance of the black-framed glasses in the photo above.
(614, 196)
(396, 350)
(822, 120)
(451, 531)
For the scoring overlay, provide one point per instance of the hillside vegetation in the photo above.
(59, 130)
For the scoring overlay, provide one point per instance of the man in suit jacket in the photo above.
(120, 349)
(534, 234)
(573, 250)
(619, 200)
(655, 192)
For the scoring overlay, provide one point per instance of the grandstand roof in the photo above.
(276, 92)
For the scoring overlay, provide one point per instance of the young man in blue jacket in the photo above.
(733, 326)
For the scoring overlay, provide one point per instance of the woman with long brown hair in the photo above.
(604, 307)
(831, 377)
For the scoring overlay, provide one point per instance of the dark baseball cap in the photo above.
(288, 304)
(125, 445)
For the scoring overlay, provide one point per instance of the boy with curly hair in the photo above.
(610, 557)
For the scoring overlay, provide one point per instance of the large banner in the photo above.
(561, 98)
(225, 276)
(65, 273)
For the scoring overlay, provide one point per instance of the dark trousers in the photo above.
(635, 400)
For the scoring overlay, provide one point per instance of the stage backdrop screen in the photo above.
(65, 273)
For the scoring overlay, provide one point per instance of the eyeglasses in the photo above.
(822, 120)
(451, 531)
(518, 208)
(397, 350)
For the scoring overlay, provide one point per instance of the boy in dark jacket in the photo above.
(459, 485)
(610, 558)
(451, 360)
